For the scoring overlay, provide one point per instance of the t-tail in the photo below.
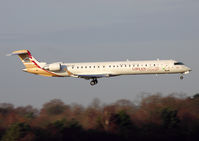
(31, 64)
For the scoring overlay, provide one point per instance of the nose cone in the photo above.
(189, 69)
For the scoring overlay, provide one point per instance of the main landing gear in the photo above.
(94, 81)
(181, 77)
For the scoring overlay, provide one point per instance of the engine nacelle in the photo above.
(54, 67)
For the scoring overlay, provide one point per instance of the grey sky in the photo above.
(96, 30)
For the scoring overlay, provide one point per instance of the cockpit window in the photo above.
(178, 63)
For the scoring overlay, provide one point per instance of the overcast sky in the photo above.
(96, 30)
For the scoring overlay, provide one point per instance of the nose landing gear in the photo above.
(94, 82)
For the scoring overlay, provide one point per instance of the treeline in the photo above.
(154, 118)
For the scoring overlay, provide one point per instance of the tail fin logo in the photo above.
(26, 60)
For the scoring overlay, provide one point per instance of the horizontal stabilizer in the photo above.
(18, 52)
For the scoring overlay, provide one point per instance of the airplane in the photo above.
(94, 70)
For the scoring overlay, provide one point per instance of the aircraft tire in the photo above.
(92, 83)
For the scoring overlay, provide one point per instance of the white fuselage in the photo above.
(125, 68)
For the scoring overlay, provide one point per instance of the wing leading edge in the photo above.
(94, 76)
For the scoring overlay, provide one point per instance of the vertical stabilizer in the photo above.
(31, 64)
(26, 58)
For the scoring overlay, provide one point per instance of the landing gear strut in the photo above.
(181, 77)
(94, 82)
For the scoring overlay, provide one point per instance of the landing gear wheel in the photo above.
(93, 82)
(181, 77)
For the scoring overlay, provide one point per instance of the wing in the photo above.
(91, 76)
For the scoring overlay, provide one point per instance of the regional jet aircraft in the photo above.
(94, 70)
